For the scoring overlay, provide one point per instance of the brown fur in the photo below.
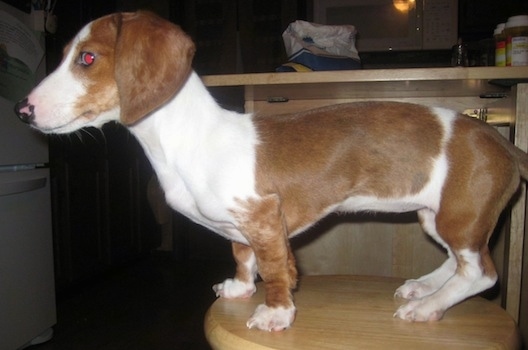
(146, 76)
(307, 162)
(242, 253)
(479, 159)
(297, 189)
(301, 156)
(264, 228)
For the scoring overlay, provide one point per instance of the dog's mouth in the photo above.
(68, 126)
(89, 118)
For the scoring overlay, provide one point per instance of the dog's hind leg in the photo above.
(465, 227)
(430, 283)
(243, 284)
(471, 278)
(475, 192)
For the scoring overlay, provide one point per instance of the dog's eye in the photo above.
(86, 58)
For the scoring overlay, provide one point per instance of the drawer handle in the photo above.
(21, 186)
(277, 99)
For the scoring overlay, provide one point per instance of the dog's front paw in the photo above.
(413, 289)
(234, 288)
(419, 311)
(271, 318)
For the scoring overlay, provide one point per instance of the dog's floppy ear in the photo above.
(152, 62)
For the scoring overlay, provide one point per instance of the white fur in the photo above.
(234, 288)
(418, 288)
(271, 318)
(209, 164)
(430, 283)
(458, 287)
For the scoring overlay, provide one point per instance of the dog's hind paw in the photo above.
(413, 289)
(271, 318)
(419, 311)
(234, 288)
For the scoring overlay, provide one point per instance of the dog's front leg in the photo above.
(280, 278)
(261, 221)
(243, 284)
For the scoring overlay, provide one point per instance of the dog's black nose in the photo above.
(24, 111)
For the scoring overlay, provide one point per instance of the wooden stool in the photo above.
(347, 312)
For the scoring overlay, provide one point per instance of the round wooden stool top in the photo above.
(348, 312)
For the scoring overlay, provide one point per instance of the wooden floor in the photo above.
(156, 303)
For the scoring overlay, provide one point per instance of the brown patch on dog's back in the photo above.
(316, 159)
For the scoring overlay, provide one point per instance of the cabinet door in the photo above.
(238, 36)
(79, 172)
(213, 27)
(102, 218)
(261, 24)
(132, 227)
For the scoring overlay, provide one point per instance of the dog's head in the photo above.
(119, 67)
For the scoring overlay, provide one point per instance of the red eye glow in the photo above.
(87, 58)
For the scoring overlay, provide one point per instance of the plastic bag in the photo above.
(321, 47)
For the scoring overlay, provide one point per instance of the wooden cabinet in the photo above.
(238, 36)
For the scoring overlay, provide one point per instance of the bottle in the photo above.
(500, 45)
(459, 54)
(516, 29)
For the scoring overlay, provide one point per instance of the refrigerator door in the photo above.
(22, 65)
(19, 144)
(27, 286)
(27, 291)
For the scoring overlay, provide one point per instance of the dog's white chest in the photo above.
(208, 165)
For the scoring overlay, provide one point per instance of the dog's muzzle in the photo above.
(24, 111)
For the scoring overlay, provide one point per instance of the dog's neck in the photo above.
(192, 140)
(191, 113)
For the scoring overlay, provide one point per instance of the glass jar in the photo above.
(516, 29)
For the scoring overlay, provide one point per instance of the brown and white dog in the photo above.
(261, 180)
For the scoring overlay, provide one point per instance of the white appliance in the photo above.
(27, 292)
(394, 25)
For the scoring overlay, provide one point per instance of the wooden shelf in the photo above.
(373, 75)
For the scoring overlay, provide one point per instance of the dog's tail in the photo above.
(522, 160)
(519, 155)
